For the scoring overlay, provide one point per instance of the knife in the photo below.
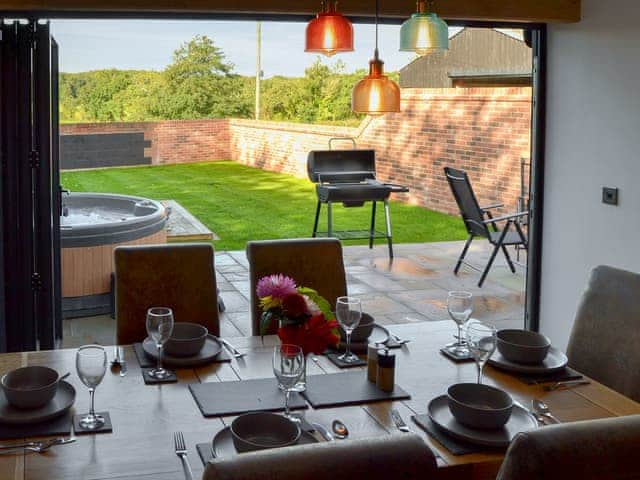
(326, 434)
(399, 422)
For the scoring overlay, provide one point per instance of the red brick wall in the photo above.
(484, 131)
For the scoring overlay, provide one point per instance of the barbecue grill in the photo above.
(349, 177)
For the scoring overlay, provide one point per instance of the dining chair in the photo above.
(179, 276)
(387, 457)
(480, 222)
(606, 332)
(588, 450)
(312, 262)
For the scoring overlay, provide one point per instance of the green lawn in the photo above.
(240, 203)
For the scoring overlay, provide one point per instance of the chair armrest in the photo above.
(507, 217)
(495, 205)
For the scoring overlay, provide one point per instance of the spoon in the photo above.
(63, 377)
(543, 409)
(340, 430)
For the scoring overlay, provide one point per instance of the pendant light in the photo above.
(424, 32)
(375, 94)
(330, 32)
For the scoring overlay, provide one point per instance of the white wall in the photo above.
(593, 140)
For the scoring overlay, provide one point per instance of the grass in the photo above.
(240, 203)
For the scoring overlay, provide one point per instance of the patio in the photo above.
(411, 289)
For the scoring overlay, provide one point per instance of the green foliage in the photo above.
(200, 83)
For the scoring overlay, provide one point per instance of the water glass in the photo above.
(288, 365)
(460, 307)
(481, 340)
(348, 313)
(159, 328)
(91, 365)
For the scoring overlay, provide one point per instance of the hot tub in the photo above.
(91, 226)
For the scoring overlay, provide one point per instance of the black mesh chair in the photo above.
(481, 223)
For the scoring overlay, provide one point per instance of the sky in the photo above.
(143, 44)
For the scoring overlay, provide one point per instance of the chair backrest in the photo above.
(467, 203)
(312, 262)
(591, 450)
(382, 458)
(179, 276)
(604, 343)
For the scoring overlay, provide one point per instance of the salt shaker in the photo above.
(372, 362)
(385, 377)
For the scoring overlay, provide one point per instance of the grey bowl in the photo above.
(523, 346)
(362, 332)
(479, 406)
(187, 339)
(30, 387)
(263, 430)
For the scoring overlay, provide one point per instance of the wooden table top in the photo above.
(144, 417)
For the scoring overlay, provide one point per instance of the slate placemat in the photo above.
(145, 361)
(149, 380)
(455, 446)
(350, 388)
(205, 452)
(333, 357)
(56, 426)
(232, 398)
(455, 357)
(560, 376)
(105, 428)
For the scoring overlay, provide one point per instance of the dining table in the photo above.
(145, 417)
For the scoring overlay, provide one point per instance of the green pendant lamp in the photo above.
(424, 32)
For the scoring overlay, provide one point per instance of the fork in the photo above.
(181, 451)
(37, 447)
(233, 350)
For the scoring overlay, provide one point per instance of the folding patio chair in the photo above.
(480, 222)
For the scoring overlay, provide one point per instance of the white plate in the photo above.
(209, 352)
(554, 361)
(223, 442)
(520, 421)
(60, 403)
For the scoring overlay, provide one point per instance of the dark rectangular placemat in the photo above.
(565, 374)
(232, 398)
(106, 428)
(350, 388)
(57, 426)
(455, 357)
(145, 361)
(205, 452)
(335, 359)
(455, 446)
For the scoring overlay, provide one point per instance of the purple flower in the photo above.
(275, 286)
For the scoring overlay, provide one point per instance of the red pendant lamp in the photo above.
(330, 32)
(376, 93)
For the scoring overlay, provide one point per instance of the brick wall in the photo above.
(484, 131)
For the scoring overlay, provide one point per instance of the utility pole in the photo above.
(258, 68)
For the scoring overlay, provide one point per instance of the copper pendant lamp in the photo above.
(375, 94)
(330, 32)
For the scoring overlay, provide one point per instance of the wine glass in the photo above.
(349, 313)
(159, 328)
(288, 365)
(91, 365)
(481, 340)
(460, 307)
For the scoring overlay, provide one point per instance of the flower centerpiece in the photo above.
(302, 316)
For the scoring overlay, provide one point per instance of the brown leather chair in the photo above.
(179, 276)
(382, 458)
(606, 332)
(591, 450)
(312, 262)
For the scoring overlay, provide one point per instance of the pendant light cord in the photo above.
(377, 9)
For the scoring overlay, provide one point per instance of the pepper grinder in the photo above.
(372, 362)
(385, 378)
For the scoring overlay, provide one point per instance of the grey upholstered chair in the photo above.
(312, 262)
(605, 341)
(382, 458)
(591, 450)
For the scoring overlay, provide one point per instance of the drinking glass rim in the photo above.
(297, 348)
(167, 311)
(460, 294)
(347, 300)
(84, 350)
(482, 325)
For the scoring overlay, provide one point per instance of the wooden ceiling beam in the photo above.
(543, 11)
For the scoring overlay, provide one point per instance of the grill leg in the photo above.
(329, 220)
(387, 218)
(315, 223)
(372, 232)
(462, 255)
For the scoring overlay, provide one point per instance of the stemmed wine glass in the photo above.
(349, 313)
(481, 340)
(460, 307)
(288, 365)
(159, 328)
(91, 365)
